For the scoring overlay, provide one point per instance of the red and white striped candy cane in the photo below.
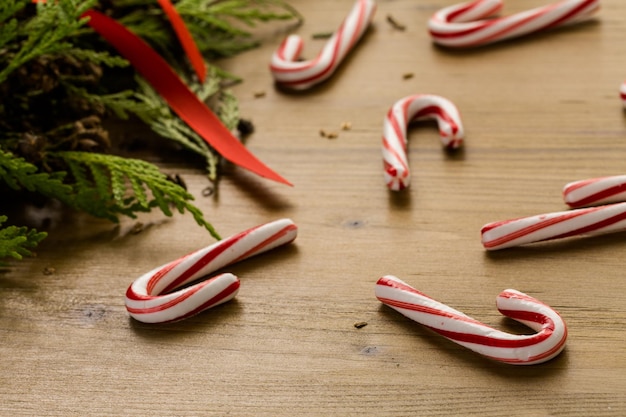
(460, 26)
(151, 299)
(595, 191)
(300, 75)
(588, 222)
(416, 107)
(513, 349)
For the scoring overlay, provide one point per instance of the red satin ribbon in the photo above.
(185, 39)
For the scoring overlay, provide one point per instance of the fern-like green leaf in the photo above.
(47, 33)
(17, 242)
(228, 110)
(139, 192)
(19, 174)
(8, 28)
(108, 186)
(212, 23)
(10, 8)
(97, 57)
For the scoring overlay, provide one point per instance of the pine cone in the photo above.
(36, 102)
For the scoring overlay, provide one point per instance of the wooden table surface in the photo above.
(538, 112)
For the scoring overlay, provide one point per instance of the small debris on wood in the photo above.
(259, 94)
(329, 135)
(208, 191)
(245, 127)
(322, 35)
(177, 179)
(49, 270)
(360, 324)
(346, 125)
(137, 228)
(394, 23)
(407, 75)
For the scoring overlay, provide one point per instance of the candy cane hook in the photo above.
(300, 75)
(150, 299)
(459, 25)
(452, 324)
(416, 107)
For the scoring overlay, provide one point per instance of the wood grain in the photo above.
(539, 112)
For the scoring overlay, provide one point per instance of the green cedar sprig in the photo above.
(46, 35)
(220, 27)
(17, 241)
(19, 174)
(102, 185)
(107, 186)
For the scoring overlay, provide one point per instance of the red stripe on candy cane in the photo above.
(494, 344)
(594, 191)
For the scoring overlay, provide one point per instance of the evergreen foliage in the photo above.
(48, 33)
(16, 242)
(108, 186)
(19, 174)
(59, 82)
(220, 27)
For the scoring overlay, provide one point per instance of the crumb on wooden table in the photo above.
(329, 135)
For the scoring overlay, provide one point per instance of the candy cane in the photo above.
(150, 299)
(589, 221)
(416, 107)
(459, 25)
(531, 349)
(595, 191)
(300, 75)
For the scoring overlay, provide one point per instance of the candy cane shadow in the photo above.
(254, 187)
(222, 314)
(204, 322)
(416, 131)
(428, 339)
(510, 43)
(575, 245)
